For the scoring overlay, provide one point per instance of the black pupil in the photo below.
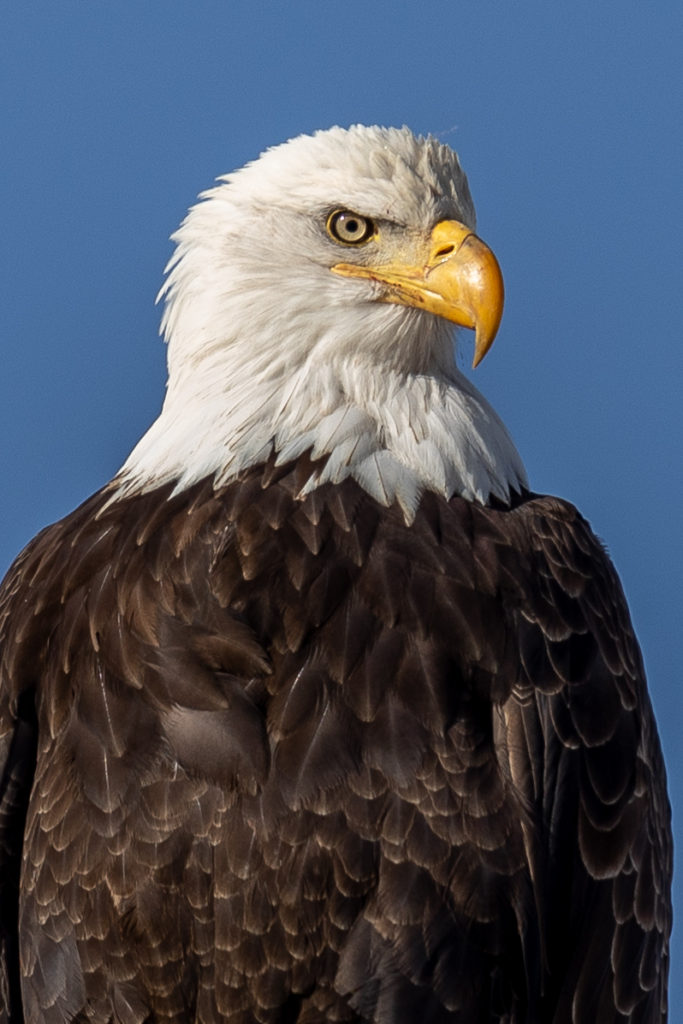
(352, 226)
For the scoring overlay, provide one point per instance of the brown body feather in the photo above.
(286, 760)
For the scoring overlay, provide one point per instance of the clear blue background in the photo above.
(567, 117)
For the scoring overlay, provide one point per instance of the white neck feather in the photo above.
(397, 434)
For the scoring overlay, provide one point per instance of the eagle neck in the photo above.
(397, 434)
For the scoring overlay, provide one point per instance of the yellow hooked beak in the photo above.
(460, 281)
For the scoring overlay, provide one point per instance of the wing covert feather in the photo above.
(582, 747)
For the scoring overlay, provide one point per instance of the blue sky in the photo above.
(567, 119)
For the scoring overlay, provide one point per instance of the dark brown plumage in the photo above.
(286, 760)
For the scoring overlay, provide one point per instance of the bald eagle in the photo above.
(315, 712)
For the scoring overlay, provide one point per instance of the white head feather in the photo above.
(271, 352)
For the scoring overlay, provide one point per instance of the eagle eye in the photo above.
(349, 228)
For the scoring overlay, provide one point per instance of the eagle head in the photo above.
(309, 307)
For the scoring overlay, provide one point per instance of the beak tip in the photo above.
(482, 343)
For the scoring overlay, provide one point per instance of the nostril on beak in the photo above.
(443, 252)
